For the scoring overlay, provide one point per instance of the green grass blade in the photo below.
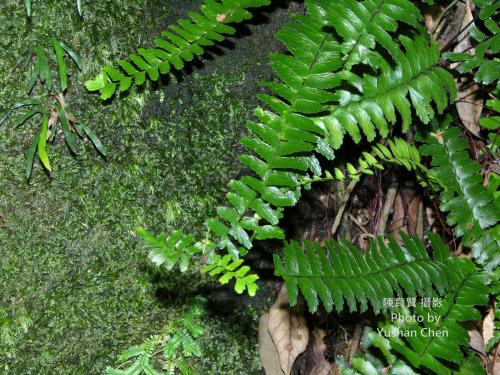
(68, 135)
(42, 143)
(23, 103)
(79, 7)
(30, 158)
(28, 116)
(71, 54)
(61, 65)
(27, 7)
(95, 140)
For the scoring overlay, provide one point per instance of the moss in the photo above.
(70, 258)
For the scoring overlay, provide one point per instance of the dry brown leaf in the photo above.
(288, 329)
(267, 350)
(470, 104)
(313, 359)
(495, 370)
(488, 327)
(397, 223)
(477, 344)
(450, 25)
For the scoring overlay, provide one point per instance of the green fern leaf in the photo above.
(434, 342)
(416, 81)
(363, 25)
(340, 273)
(472, 210)
(178, 45)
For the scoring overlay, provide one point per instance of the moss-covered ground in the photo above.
(70, 262)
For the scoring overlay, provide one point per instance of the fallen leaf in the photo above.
(288, 329)
(449, 24)
(470, 104)
(488, 327)
(476, 343)
(313, 359)
(267, 350)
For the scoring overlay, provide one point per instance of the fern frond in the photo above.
(181, 43)
(472, 210)
(483, 59)
(363, 25)
(399, 153)
(307, 74)
(176, 343)
(176, 249)
(314, 76)
(416, 82)
(424, 348)
(233, 269)
(340, 273)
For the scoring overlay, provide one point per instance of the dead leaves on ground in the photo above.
(283, 334)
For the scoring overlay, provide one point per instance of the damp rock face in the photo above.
(71, 265)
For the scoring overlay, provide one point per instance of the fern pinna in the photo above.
(317, 99)
(181, 43)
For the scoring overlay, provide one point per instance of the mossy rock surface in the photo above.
(70, 261)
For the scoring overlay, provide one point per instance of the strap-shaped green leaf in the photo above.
(42, 143)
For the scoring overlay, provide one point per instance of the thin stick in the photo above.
(342, 207)
(388, 205)
(356, 338)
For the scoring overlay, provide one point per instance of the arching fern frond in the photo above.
(340, 273)
(181, 43)
(472, 210)
(399, 153)
(436, 341)
(416, 81)
(317, 78)
(256, 203)
(364, 24)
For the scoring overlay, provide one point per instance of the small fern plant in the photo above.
(49, 108)
(169, 352)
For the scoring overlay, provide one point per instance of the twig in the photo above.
(388, 204)
(441, 16)
(356, 338)
(343, 205)
(362, 228)
(420, 220)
